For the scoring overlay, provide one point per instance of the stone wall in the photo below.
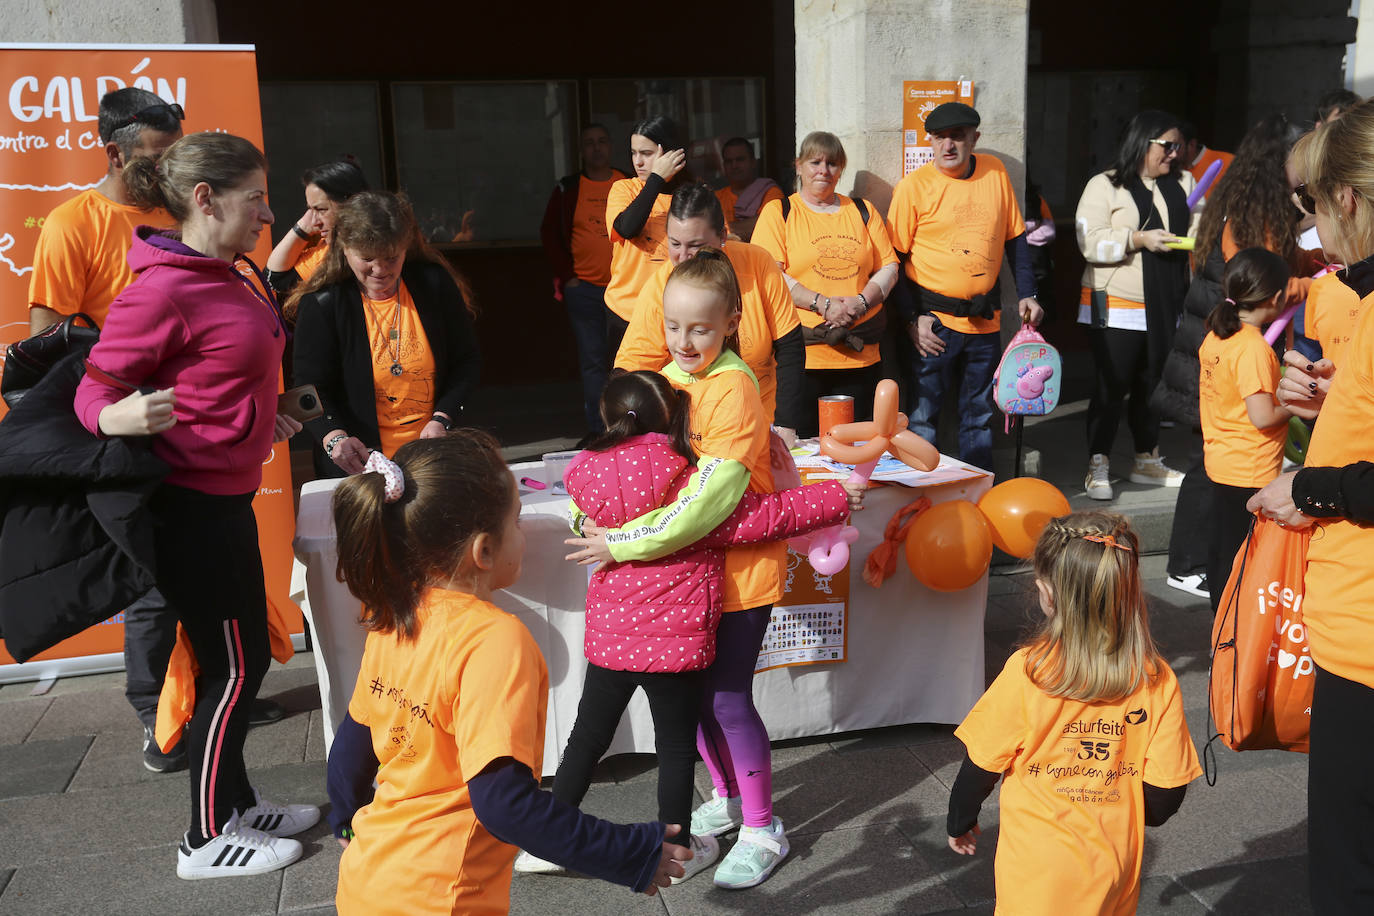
(111, 21)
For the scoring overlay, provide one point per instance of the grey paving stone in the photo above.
(309, 884)
(277, 743)
(40, 767)
(1273, 886)
(878, 786)
(626, 803)
(117, 760)
(94, 712)
(865, 870)
(294, 686)
(1163, 894)
(5, 875)
(556, 895)
(314, 737)
(891, 736)
(50, 828)
(971, 878)
(982, 909)
(135, 881)
(1292, 766)
(943, 758)
(314, 911)
(293, 783)
(19, 716)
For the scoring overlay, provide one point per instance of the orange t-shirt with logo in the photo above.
(81, 260)
(767, 314)
(470, 689)
(1339, 604)
(833, 254)
(726, 420)
(1072, 803)
(591, 241)
(396, 339)
(955, 230)
(1234, 452)
(633, 261)
(1333, 310)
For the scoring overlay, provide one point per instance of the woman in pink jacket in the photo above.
(652, 624)
(189, 358)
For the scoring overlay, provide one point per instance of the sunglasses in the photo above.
(165, 117)
(1304, 200)
(1170, 146)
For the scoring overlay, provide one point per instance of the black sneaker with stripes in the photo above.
(238, 850)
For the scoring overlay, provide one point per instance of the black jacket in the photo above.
(332, 352)
(1176, 396)
(76, 537)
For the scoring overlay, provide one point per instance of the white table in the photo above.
(914, 655)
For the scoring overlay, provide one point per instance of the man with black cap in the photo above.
(952, 221)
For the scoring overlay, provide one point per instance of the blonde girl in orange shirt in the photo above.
(1243, 425)
(1085, 728)
(433, 772)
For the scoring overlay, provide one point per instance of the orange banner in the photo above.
(919, 99)
(50, 150)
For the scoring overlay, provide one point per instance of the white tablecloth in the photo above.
(914, 655)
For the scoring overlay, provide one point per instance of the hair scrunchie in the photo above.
(394, 482)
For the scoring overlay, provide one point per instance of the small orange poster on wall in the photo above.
(919, 99)
(50, 151)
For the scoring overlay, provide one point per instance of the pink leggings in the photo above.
(731, 738)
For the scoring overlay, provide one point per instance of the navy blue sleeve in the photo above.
(510, 804)
(352, 767)
(971, 788)
(630, 222)
(1018, 256)
(790, 352)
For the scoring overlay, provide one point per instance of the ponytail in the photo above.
(1252, 278)
(141, 184)
(636, 403)
(223, 161)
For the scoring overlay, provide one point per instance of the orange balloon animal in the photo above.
(949, 546)
(886, 432)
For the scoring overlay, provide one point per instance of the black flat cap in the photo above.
(950, 115)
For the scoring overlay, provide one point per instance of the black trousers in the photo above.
(1340, 797)
(674, 699)
(615, 333)
(209, 569)
(857, 383)
(1124, 384)
(1190, 540)
(150, 633)
(1230, 524)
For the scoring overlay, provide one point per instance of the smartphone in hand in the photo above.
(300, 403)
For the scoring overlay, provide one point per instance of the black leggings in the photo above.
(1122, 363)
(210, 571)
(673, 700)
(1230, 524)
(1340, 797)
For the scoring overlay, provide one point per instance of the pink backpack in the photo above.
(1027, 379)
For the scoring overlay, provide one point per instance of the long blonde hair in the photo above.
(1341, 154)
(1096, 646)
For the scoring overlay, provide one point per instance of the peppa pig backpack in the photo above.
(1027, 379)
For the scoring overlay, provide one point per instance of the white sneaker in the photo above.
(1098, 484)
(718, 816)
(279, 820)
(753, 857)
(705, 851)
(1150, 468)
(527, 864)
(1196, 584)
(238, 850)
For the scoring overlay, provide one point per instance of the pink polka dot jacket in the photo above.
(660, 615)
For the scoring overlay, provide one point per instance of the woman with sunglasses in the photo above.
(1249, 207)
(1133, 289)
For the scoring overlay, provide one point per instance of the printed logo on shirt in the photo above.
(974, 246)
(1136, 716)
(837, 256)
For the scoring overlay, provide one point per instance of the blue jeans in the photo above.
(587, 313)
(968, 361)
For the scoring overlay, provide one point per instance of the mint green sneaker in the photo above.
(718, 816)
(753, 857)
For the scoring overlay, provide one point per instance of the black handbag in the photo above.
(28, 360)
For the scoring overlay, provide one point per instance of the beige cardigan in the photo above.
(1105, 219)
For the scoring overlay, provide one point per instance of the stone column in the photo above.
(852, 56)
(111, 22)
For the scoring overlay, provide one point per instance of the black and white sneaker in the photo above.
(279, 820)
(238, 850)
(1196, 584)
(158, 762)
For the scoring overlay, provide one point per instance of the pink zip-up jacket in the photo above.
(191, 323)
(661, 615)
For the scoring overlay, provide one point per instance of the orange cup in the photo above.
(834, 410)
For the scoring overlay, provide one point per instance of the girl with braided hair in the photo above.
(1086, 724)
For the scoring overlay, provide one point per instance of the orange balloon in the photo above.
(914, 451)
(1018, 510)
(949, 546)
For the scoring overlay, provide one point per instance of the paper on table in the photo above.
(892, 470)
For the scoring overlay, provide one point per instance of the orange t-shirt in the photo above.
(81, 260)
(728, 198)
(1072, 803)
(1333, 310)
(955, 230)
(1234, 452)
(767, 315)
(633, 261)
(405, 399)
(590, 241)
(833, 254)
(1339, 590)
(1209, 156)
(310, 260)
(470, 689)
(726, 420)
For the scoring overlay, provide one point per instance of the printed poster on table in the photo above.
(50, 150)
(809, 624)
(919, 99)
